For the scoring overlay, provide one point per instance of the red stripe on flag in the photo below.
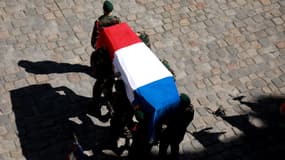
(117, 37)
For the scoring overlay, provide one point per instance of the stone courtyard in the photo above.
(228, 55)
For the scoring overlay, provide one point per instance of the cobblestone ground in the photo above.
(228, 55)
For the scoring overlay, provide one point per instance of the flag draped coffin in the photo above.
(142, 72)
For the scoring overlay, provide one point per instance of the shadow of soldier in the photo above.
(42, 116)
(263, 127)
(48, 67)
(258, 134)
(207, 137)
(265, 107)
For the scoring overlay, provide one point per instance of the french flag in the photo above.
(141, 70)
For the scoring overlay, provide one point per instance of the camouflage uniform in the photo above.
(122, 110)
(145, 38)
(101, 64)
(176, 124)
(103, 21)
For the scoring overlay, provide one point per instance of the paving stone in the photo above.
(10, 78)
(5, 156)
(4, 35)
(207, 81)
(281, 44)
(31, 80)
(217, 48)
(20, 83)
(73, 78)
(265, 2)
(278, 82)
(198, 147)
(6, 146)
(226, 77)
(17, 155)
(278, 21)
(264, 42)
(258, 83)
(41, 78)
(3, 130)
(216, 80)
(202, 111)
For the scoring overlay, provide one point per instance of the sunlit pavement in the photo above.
(228, 55)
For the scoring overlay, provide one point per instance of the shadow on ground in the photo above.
(262, 133)
(48, 67)
(45, 132)
(42, 117)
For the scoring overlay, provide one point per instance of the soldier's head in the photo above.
(185, 104)
(184, 100)
(107, 7)
(120, 86)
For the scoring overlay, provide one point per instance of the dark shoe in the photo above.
(94, 111)
(105, 117)
(127, 133)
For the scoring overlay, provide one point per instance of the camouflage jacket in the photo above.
(103, 21)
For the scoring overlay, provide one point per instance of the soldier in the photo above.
(175, 127)
(145, 38)
(102, 67)
(106, 20)
(140, 148)
(122, 110)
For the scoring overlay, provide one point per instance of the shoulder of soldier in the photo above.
(116, 18)
(189, 112)
(101, 17)
(111, 17)
(108, 20)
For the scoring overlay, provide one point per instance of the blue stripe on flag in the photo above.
(161, 94)
(159, 98)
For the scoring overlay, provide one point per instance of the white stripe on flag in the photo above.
(140, 65)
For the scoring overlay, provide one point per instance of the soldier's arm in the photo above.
(116, 20)
(94, 34)
(119, 21)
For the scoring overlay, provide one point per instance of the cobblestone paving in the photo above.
(227, 54)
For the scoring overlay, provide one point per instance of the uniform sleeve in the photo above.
(94, 34)
(118, 20)
(188, 116)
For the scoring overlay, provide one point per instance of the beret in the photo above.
(184, 99)
(107, 6)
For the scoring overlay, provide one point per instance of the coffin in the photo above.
(142, 72)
